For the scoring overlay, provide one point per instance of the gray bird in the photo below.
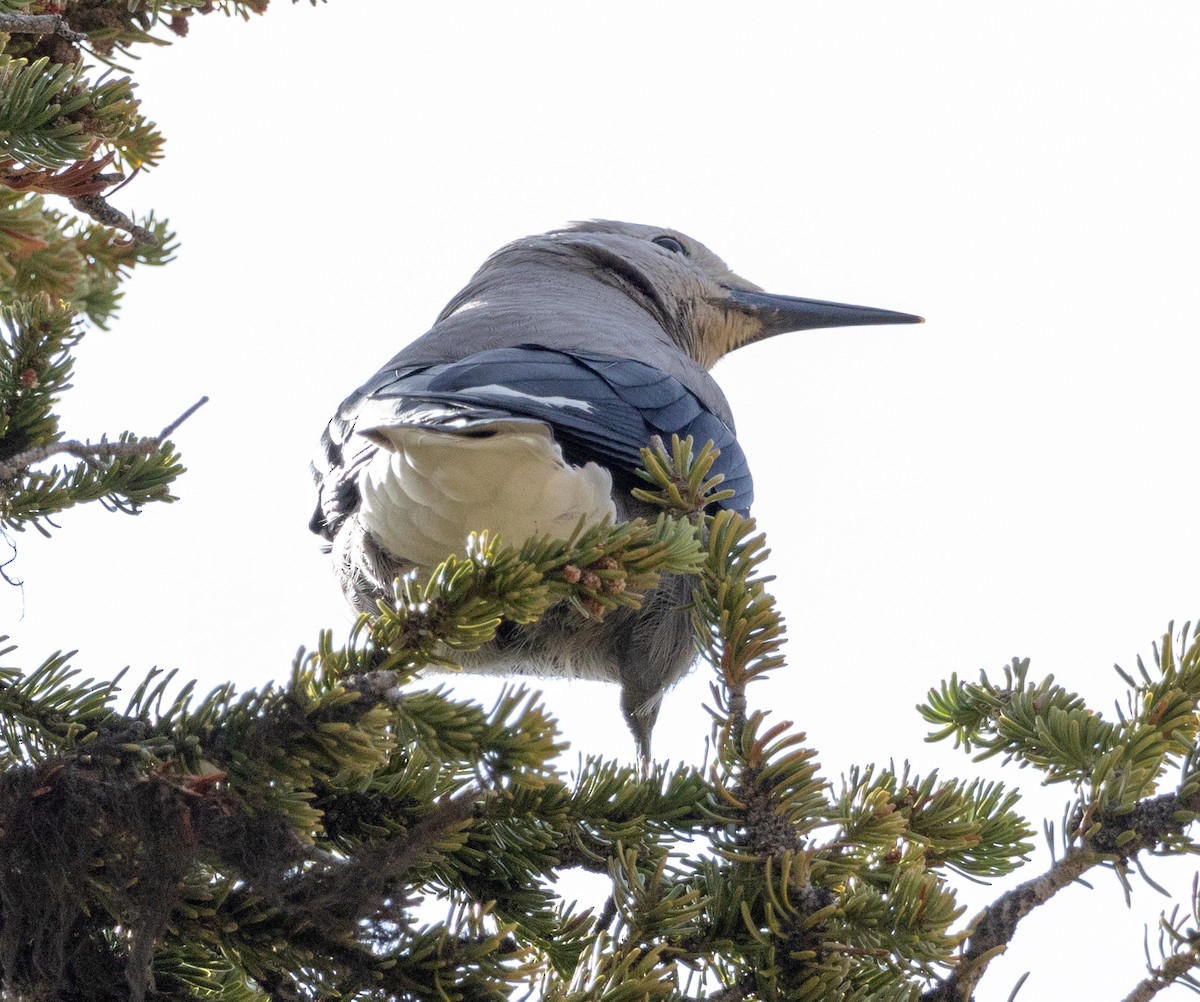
(524, 409)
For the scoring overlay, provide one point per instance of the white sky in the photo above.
(1016, 477)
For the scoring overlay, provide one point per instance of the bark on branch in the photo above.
(40, 24)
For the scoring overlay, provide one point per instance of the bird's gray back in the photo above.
(532, 293)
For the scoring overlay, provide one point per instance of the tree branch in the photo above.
(84, 177)
(1163, 976)
(94, 453)
(334, 894)
(171, 428)
(40, 24)
(996, 925)
(1153, 823)
(96, 207)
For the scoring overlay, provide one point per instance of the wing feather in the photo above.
(599, 409)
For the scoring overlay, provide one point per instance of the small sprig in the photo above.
(681, 480)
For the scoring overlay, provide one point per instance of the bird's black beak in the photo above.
(780, 314)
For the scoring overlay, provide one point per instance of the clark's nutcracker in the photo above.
(523, 410)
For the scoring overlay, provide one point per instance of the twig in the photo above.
(40, 24)
(170, 429)
(1170, 971)
(95, 453)
(96, 207)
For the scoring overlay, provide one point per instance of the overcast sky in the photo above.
(1015, 478)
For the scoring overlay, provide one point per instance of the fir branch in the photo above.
(101, 453)
(1115, 766)
(1170, 971)
(83, 177)
(740, 627)
(40, 24)
(972, 828)
(1150, 826)
(994, 927)
(44, 713)
(1114, 839)
(52, 115)
(1184, 944)
(98, 209)
(66, 257)
(342, 893)
(459, 606)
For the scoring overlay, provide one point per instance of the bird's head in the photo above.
(704, 307)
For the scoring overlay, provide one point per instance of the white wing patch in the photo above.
(507, 391)
(423, 496)
(470, 304)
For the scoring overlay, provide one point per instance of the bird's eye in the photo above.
(671, 244)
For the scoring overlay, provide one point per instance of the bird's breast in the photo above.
(425, 490)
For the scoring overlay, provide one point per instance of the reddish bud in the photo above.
(29, 378)
(571, 574)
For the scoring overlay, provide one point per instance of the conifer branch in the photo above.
(98, 209)
(40, 24)
(345, 891)
(100, 453)
(1114, 839)
(84, 177)
(1170, 971)
(995, 926)
(1179, 946)
(1114, 765)
(315, 815)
